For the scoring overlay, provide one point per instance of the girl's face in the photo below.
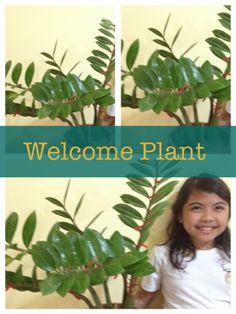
(204, 217)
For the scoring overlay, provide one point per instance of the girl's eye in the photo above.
(219, 208)
(196, 208)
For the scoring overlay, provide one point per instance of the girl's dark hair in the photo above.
(179, 241)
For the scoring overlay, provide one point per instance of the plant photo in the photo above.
(65, 78)
(177, 72)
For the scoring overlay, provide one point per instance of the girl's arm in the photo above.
(143, 298)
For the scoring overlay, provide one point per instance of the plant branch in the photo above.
(195, 113)
(107, 295)
(174, 115)
(185, 116)
(83, 116)
(75, 120)
(83, 298)
(95, 297)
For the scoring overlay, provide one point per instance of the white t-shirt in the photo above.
(204, 284)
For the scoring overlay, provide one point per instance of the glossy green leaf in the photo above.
(157, 210)
(225, 16)
(128, 221)
(11, 225)
(161, 42)
(144, 233)
(16, 73)
(162, 76)
(156, 32)
(174, 102)
(61, 213)
(166, 54)
(190, 71)
(202, 91)
(148, 102)
(97, 276)
(112, 267)
(104, 40)
(63, 57)
(99, 244)
(142, 79)
(44, 112)
(132, 54)
(97, 61)
(131, 258)
(50, 284)
(106, 32)
(175, 73)
(188, 49)
(223, 94)
(7, 67)
(8, 259)
(188, 97)
(39, 93)
(207, 71)
(116, 243)
(166, 24)
(103, 46)
(42, 258)
(222, 35)
(29, 229)
(52, 251)
(163, 102)
(47, 55)
(218, 84)
(94, 218)
(29, 74)
(132, 200)
(55, 201)
(128, 211)
(217, 43)
(80, 248)
(68, 226)
(142, 268)
(100, 54)
(164, 191)
(67, 283)
(81, 282)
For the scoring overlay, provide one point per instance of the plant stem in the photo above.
(83, 298)
(107, 295)
(125, 283)
(177, 118)
(95, 297)
(67, 121)
(75, 120)
(185, 116)
(95, 114)
(83, 117)
(26, 89)
(195, 113)
(211, 115)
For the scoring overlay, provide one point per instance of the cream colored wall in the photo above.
(197, 22)
(33, 29)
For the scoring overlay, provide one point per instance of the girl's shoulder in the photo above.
(162, 251)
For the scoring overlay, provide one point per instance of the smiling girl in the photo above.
(193, 266)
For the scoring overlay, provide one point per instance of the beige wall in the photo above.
(198, 23)
(31, 30)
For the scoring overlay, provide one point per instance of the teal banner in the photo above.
(94, 151)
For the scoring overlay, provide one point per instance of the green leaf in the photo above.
(218, 53)
(47, 55)
(61, 213)
(94, 219)
(137, 188)
(163, 102)
(217, 43)
(222, 35)
(131, 258)
(132, 200)
(190, 71)
(103, 46)
(225, 16)
(16, 73)
(166, 54)
(97, 276)
(63, 57)
(148, 102)
(104, 40)
(163, 191)
(174, 102)
(106, 32)
(81, 282)
(132, 54)
(142, 79)
(113, 267)
(157, 210)
(116, 243)
(44, 112)
(54, 201)
(97, 61)
(11, 225)
(50, 284)
(67, 282)
(68, 226)
(128, 211)
(100, 54)
(207, 71)
(142, 268)
(66, 192)
(39, 93)
(42, 258)
(166, 24)
(141, 181)
(176, 36)
(99, 244)
(29, 74)
(218, 84)
(7, 67)
(202, 91)
(8, 260)
(188, 49)
(80, 248)
(29, 229)
(79, 205)
(156, 32)
(161, 42)
(225, 23)
(128, 221)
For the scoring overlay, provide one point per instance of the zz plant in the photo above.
(62, 94)
(171, 83)
(77, 261)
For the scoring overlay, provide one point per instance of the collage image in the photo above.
(134, 242)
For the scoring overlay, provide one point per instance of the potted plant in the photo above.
(172, 83)
(79, 261)
(63, 94)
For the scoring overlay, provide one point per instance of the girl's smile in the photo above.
(204, 217)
